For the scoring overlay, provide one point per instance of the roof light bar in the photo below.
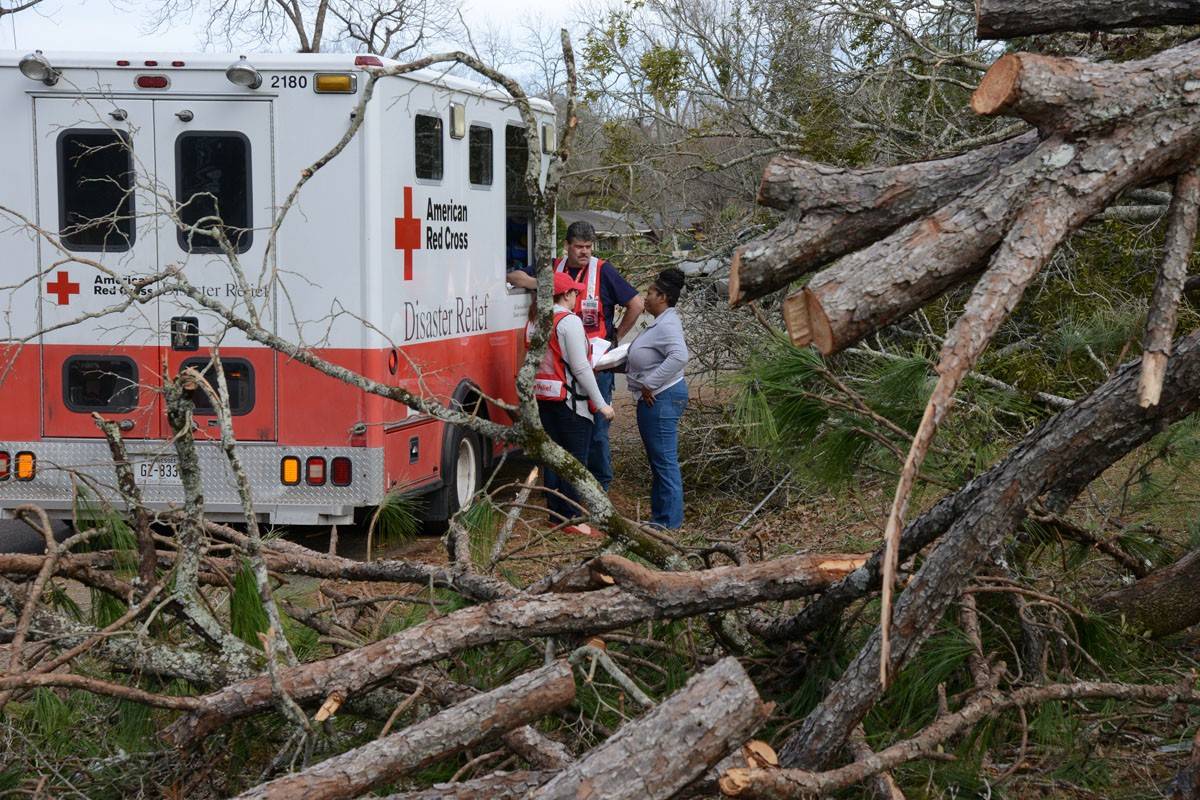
(243, 73)
(37, 67)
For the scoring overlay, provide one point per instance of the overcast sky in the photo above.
(110, 26)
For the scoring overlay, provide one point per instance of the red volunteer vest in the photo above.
(550, 382)
(591, 284)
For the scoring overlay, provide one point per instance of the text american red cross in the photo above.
(408, 233)
(63, 287)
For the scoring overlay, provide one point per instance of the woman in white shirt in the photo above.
(655, 375)
(567, 393)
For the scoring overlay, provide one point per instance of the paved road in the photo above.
(17, 537)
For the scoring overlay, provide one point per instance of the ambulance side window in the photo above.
(429, 147)
(239, 379)
(212, 179)
(100, 383)
(95, 190)
(516, 156)
(480, 155)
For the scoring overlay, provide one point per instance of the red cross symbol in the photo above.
(63, 287)
(408, 233)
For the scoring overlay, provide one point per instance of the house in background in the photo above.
(616, 231)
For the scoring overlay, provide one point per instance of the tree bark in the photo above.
(1007, 19)
(837, 211)
(1163, 602)
(875, 286)
(650, 595)
(1168, 288)
(1074, 95)
(1071, 449)
(497, 786)
(675, 743)
(354, 772)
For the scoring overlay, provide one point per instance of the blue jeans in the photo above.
(659, 427)
(572, 433)
(599, 460)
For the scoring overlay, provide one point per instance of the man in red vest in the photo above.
(604, 290)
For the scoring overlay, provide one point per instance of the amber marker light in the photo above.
(335, 83)
(26, 466)
(289, 470)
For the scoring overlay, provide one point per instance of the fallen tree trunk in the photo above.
(1092, 434)
(837, 211)
(651, 595)
(654, 757)
(1006, 19)
(1074, 95)
(1163, 602)
(778, 784)
(354, 772)
(497, 786)
(873, 287)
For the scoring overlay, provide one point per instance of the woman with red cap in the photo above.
(567, 394)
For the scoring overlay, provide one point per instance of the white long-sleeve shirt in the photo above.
(574, 345)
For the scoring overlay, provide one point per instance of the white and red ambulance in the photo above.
(392, 263)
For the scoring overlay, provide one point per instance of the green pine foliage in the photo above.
(247, 616)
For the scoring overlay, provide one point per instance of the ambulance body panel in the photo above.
(390, 262)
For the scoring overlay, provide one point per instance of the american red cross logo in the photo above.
(408, 233)
(63, 287)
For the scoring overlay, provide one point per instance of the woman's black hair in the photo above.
(670, 283)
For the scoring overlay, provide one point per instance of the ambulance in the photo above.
(391, 263)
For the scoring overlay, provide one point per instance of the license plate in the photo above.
(162, 470)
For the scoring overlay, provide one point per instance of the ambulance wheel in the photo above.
(462, 473)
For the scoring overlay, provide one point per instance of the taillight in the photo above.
(26, 466)
(314, 471)
(341, 471)
(4, 465)
(151, 81)
(289, 470)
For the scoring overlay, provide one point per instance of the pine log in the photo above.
(356, 771)
(875, 286)
(1074, 95)
(836, 211)
(1168, 287)
(1072, 448)
(652, 595)
(1007, 19)
(1163, 602)
(654, 757)
(497, 786)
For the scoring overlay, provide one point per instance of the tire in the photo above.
(462, 473)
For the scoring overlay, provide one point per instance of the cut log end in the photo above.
(999, 87)
(806, 322)
(734, 782)
(760, 754)
(1154, 369)
(735, 282)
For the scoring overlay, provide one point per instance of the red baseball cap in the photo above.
(564, 283)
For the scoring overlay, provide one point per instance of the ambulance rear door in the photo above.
(215, 158)
(95, 166)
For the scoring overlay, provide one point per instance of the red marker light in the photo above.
(123, 63)
(341, 471)
(152, 82)
(176, 63)
(367, 61)
(151, 63)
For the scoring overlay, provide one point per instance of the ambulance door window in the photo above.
(100, 383)
(479, 145)
(212, 180)
(239, 379)
(95, 190)
(429, 147)
(518, 209)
